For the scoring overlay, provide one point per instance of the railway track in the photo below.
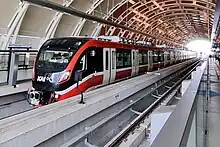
(143, 115)
(13, 105)
(101, 126)
(123, 117)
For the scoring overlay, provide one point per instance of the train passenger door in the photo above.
(135, 62)
(109, 65)
(150, 60)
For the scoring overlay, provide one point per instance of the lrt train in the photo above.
(62, 62)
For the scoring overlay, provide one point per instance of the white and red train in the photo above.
(100, 61)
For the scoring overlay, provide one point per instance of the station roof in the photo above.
(160, 21)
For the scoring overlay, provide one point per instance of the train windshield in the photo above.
(55, 54)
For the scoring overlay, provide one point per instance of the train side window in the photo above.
(119, 58)
(172, 53)
(168, 55)
(140, 56)
(161, 55)
(127, 58)
(82, 63)
(155, 57)
(94, 60)
(91, 60)
(98, 59)
(145, 57)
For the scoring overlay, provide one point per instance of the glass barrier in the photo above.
(196, 134)
(185, 125)
(26, 59)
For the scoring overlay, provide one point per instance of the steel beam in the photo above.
(110, 13)
(77, 30)
(78, 13)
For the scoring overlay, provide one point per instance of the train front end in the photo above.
(51, 72)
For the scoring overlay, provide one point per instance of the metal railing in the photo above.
(25, 60)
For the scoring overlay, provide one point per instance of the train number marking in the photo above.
(44, 79)
(41, 79)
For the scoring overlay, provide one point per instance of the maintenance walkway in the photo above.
(213, 107)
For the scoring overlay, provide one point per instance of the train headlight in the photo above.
(57, 96)
(64, 77)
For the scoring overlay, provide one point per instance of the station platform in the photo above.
(213, 119)
(6, 90)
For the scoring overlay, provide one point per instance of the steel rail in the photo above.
(82, 14)
(118, 138)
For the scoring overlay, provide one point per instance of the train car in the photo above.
(99, 61)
